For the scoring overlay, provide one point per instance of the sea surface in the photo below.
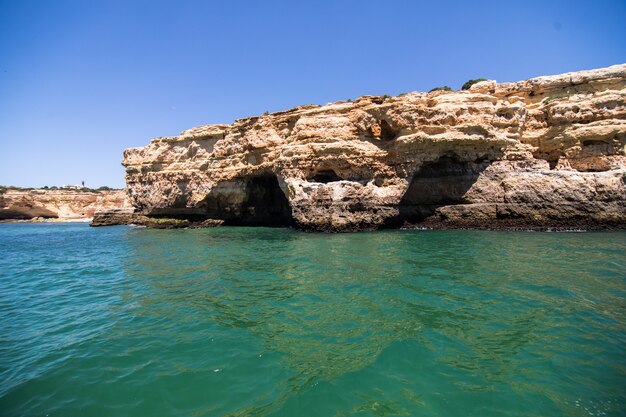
(125, 321)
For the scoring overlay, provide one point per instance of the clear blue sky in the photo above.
(82, 80)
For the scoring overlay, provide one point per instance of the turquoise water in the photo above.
(124, 321)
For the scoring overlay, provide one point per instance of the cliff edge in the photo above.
(59, 204)
(548, 151)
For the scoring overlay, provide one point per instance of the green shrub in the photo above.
(442, 88)
(5, 188)
(470, 83)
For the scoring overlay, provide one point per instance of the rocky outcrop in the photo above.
(541, 152)
(58, 204)
(117, 216)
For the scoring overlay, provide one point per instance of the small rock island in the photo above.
(545, 152)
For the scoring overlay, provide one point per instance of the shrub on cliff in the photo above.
(470, 83)
(442, 88)
(5, 188)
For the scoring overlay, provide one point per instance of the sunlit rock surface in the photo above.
(58, 204)
(541, 152)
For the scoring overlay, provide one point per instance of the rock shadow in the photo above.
(381, 133)
(253, 201)
(440, 183)
(26, 213)
(265, 204)
(325, 176)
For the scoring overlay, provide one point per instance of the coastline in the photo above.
(49, 220)
(122, 217)
(496, 156)
(56, 205)
(544, 153)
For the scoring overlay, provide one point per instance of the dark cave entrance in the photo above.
(440, 183)
(265, 204)
(244, 201)
(386, 131)
(325, 176)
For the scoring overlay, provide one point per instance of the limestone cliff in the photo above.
(545, 151)
(58, 204)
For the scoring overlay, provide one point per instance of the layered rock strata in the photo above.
(549, 151)
(58, 204)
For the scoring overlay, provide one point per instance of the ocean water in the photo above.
(125, 321)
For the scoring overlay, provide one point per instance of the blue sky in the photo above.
(82, 80)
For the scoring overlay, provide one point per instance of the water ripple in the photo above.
(273, 322)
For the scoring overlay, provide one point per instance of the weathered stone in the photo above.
(542, 151)
(58, 204)
(114, 217)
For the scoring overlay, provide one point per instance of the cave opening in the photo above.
(325, 176)
(386, 131)
(265, 204)
(249, 201)
(592, 142)
(440, 183)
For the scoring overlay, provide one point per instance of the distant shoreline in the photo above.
(56, 205)
(49, 220)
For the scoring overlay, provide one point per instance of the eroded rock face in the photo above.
(549, 150)
(58, 204)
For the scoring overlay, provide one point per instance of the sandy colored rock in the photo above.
(548, 149)
(58, 204)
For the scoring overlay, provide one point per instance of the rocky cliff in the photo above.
(58, 204)
(548, 151)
